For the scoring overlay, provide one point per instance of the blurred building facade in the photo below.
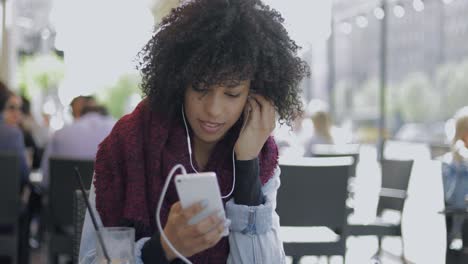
(421, 38)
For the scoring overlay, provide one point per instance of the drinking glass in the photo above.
(120, 244)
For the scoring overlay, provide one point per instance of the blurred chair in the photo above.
(61, 195)
(338, 150)
(10, 206)
(393, 194)
(312, 203)
(342, 150)
(403, 150)
(79, 212)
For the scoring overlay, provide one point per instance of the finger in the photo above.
(176, 207)
(267, 105)
(264, 103)
(212, 237)
(267, 110)
(271, 117)
(206, 225)
(174, 214)
(247, 110)
(192, 210)
(255, 112)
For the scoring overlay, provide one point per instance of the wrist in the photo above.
(244, 156)
(248, 189)
(167, 250)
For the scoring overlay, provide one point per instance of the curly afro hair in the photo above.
(217, 42)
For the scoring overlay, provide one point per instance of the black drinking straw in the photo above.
(101, 241)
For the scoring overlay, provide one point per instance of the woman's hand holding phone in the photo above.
(259, 122)
(190, 239)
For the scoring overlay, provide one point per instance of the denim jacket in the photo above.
(455, 181)
(253, 236)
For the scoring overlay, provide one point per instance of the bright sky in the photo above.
(101, 38)
(307, 21)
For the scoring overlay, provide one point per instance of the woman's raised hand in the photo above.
(259, 114)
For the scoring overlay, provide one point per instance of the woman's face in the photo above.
(212, 111)
(12, 114)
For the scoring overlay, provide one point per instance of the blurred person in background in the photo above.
(455, 182)
(13, 111)
(33, 133)
(322, 128)
(13, 116)
(30, 128)
(292, 138)
(78, 103)
(320, 132)
(12, 141)
(80, 139)
(11, 137)
(323, 131)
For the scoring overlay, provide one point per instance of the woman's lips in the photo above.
(210, 127)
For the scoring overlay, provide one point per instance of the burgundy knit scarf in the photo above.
(133, 162)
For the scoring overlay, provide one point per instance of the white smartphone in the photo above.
(196, 187)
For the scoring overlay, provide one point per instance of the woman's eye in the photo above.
(199, 89)
(233, 95)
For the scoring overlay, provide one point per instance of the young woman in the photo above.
(217, 72)
(455, 181)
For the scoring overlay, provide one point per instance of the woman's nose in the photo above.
(213, 105)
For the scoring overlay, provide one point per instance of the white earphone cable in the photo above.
(168, 180)
(158, 212)
(191, 162)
